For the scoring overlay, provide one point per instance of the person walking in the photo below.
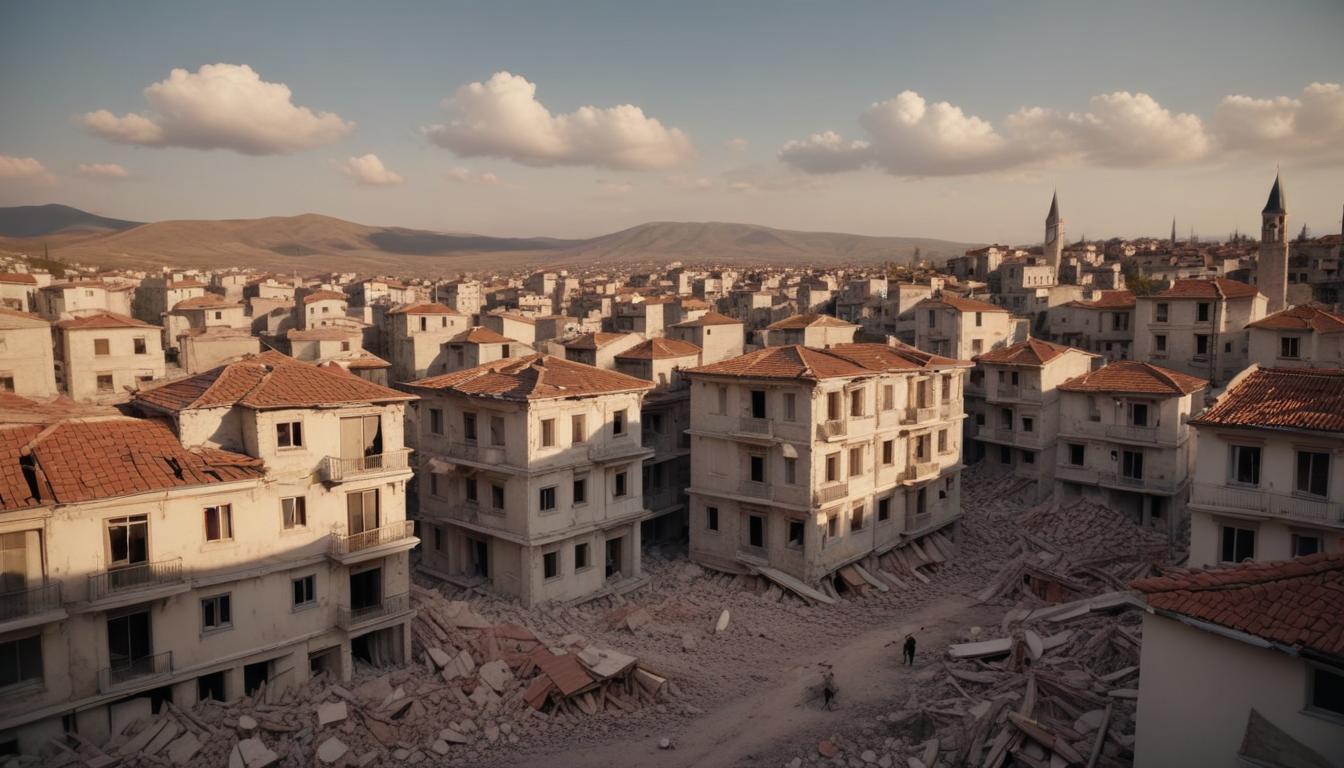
(909, 649)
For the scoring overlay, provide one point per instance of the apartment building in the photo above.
(897, 316)
(531, 480)
(599, 349)
(1198, 327)
(479, 345)
(18, 291)
(1305, 336)
(1266, 482)
(61, 301)
(155, 296)
(465, 296)
(1020, 423)
(1104, 325)
(952, 326)
(1124, 440)
(205, 312)
(320, 308)
(144, 569)
(200, 349)
(806, 460)
(816, 331)
(719, 337)
(105, 356)
(415, 338)
(512, 325)
(27, 366)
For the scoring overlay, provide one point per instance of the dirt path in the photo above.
(763, 726)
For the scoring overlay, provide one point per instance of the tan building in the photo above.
(1198, 327)
(415, 338)
(18, 291)
(806, 460)
(155, 296)
(200, 349)
(201, 313)
(1267, 481)
(316, 309)
(952, 326)
(479, 345)
(1305, 336)
(600, 349)
(465, 296)
(1020, 425)
(61, 301)
(1243, 666)
(104, 356)
(1124, 440)
(719, 337)
(531, 477)
(1104, 325)
(815, 331)
(27, 366)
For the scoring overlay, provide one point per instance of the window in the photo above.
(550, 565)
(216, 613)
(1245, 465)
(856, 518)
(7, 383)
(1028, 457)
(127, 540)
(547, 433)
(1238, 544)
(1201, 344)
(933, 318)
(496, 496)
(1005, 455)
(1138, 414)
(833, 526)
(581, 556)
(790, 406)
(294, 512)
(618, 423)
(1160, 343)
(1077, 454)
(139, 345)
(711, 518)
(888, 397)
(856, 403)
(436, 421)
(796, 529)
(1202, 312)
(101, 347)
(1304, 544)
(1313, 473)
(438, 539)
(578, 428)
(21, 660)
(547, 500)
(888, 451)
(1027, 424)
(1289, 346)
(855, 461)
(289, 434)
(579, 492)
(620, 485)
(833, 406)
(942, 441)
(758, 404)
(756, 531)
(883, 510)
(496, 430)
(977, 346)
(219, 523)
(757, 466)
(1131, 464)
(1327, 690)
(723, 400)
(979, 319)
(1160, 312)
(469, 426)
(469, 489)
(305, 591)
(1006, 416)
(833, 468)
(790, 471)
(104, 382)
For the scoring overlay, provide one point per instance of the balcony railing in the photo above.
(1008, 391)
(917, 415)
(922, 470)
(831, 428)
(753, 426)
(615, 448)
(29, 602)
(126, 672)
(336, 469)
(471, 451)
(349, 618)
(1077, 474)
(829, 493)
(134, 577)
(345, 544)
(1269, 503)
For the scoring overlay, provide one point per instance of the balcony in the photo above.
(831, 429)
(918, 415)
(354, 618)
(492, 455)
(375, 542)
(336, 469)
(1259, 502)
(131, 671)
(948, 410)
(752, 425)
(615, 449)
(832, 492)
(30, 607)
(136, 583)
(921, 471)
(1007, 391)
(1148, 484)
(1074, 474)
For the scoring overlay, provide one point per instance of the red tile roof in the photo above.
(1108, 300)
(659, 349)
(1033, 353)
(17, 277)
(534, 377)
(1134, 377)
(423, 308)
(513, 316)
(324, 296)
(596, 340)
(101, 320)
(208, 301)
(809, 321)
(180, 284)
(1304, 399)
(481, 335)
(1297, 603)
(962, 304)
(709, 318)
(15, 492)
(268, 380)
(894, 356)
(808, 364)
(13, 319)
(1303, 317)
(1208, 288)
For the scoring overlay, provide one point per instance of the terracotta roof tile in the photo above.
(1303, 317)
(180, 284)
(324, 296)
(1309, 399)
(709, 318)
(1134, 377)
(659, 349)
(1208, 288)
(423, 308)
(208, 301)
(1109, 300)
(481, 335)
(838, 361)
(892, 357)
(17, 277)
(15, 492)
(102, 320)
(962, 304)
(809, 321)
(13, 319)
(1033, 353)
(1296, 602)
(595, 340)
(534, 377)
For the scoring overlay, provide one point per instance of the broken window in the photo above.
(1303, 544)
(856, 518)
(104, 382)
(1138, 414)
(1028, 457)
(758, 404)
(496, 496)
(436, 421)
(289, 434)
(21, 660)
(469, 489)
(139, 345)
(294, 512)
(128, 540)
(1238, 544)
(216, 613)
(620, 489)
(219, 523)
(1077, 452)
(796, 529)
(618, 423)
(883, 509)
(469, 426)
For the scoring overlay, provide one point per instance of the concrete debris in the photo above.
(721, 625)
(330, 713)
(332, 749)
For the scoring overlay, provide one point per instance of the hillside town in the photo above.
(1074, 503)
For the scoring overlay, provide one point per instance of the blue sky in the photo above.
(729, 84)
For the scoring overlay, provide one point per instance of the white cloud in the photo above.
(502, 118)
(369, 171)
(24, 169)
(1310, 124)
(111, 171)
(826, 153)
(220, 106)
(468, 176)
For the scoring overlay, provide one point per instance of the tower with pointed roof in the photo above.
(1272, 267)
(1054, 234)
(1173, 232)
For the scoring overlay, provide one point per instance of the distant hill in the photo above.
(312, 242)
(53, 219)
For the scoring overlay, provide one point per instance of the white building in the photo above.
(1104, 325)
(1198, 327)
(1305, 336)
(27, 366)
(961, 328)
(105, 356)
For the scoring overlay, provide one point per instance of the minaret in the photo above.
(1054, 234)
(1272, 267)
(1173, 231)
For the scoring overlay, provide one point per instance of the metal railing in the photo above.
(336, 469)
(753, 426)
(344, 544)
(30, 601)
(348, 618)
(1267, 503)
(919, 415)
(133, 577)
(829, 493)
(128, 671)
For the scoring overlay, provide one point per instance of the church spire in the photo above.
(1053, 216)
(1277, 202)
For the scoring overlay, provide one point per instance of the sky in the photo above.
(952, 120)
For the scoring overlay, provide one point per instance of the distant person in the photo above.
(909, 649)
(828, 689)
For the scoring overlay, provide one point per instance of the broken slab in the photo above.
(793, 585)
(438, 657)
(721, 625)
(332, 749)
(252, 753)
(604, 662)
(331, 712)
(497, 675)
(181, 752)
